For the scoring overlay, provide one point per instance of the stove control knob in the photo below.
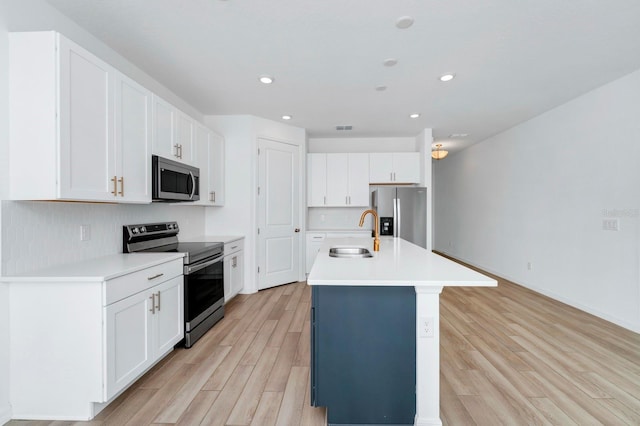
(143, 229)
(134, 230)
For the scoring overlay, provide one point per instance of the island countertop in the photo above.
(398, 263)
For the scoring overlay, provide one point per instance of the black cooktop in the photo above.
(195, 251)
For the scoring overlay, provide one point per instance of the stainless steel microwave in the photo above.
(173, 181)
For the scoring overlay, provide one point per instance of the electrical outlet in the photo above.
(85, 232)
(426, 326)
(611, 224)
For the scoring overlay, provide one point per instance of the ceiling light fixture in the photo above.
(286, 117)
(458, 135)
(439, 153)
(414, 115)
(447, 77)
(266, 79)
(404, 22)
(390, 62)
(381, 88)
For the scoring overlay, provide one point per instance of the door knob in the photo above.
(297, 230)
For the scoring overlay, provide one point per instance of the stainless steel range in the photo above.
(203, 272)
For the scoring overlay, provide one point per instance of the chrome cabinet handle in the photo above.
(155, 276)
(177, 154)
(234, 247)
(234, 261)
(391, 176)
(115, 185)
(121, 180)
(158, 305)
(214, 196)
(180, 146)
(153, 303)
(325, 199)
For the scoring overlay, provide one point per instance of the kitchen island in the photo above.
(374, 339)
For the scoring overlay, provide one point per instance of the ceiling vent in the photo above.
(344, 127)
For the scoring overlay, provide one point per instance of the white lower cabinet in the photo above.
(233, 268)
(77, 342)
(140, 329)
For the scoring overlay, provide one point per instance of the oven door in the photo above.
(173, 181)
(203, 291)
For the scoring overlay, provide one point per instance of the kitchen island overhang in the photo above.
(400, 263)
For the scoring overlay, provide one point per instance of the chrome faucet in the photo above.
(376, 220)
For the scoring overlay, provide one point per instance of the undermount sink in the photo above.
(349, 252)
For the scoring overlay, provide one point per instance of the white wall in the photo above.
(40, 234)
(399, 144)
(239, 214)
(5, 409)
(539, 192)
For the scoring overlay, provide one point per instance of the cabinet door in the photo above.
(185, 127)
(316, 180)
(337, 180)
(226, 264)
(358, 180)
(380, 167)
(406, 167)
(237, 272)
(133, 141)
(164, 119)
(314, 242)
(216, 171)
(86, 159)
(168, 318)
(202, 149)
(128, 331)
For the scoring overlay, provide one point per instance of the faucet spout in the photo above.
(376, 233)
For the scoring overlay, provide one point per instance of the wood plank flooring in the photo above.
(508, 356)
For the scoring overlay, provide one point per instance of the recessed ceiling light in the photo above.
(447, 77)
(404, 22)
(266, 79)
(390, 62)
(458, 135)
(381, 88)
(286, 117)
(414, 115)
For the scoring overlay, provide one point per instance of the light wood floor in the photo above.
(508, 356)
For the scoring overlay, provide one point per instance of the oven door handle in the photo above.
(199, 266)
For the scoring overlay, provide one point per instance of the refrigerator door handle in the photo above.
(398, 218)
(395, 217)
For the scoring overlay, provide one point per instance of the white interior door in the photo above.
(278, 213)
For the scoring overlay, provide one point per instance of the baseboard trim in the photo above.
(602, 315)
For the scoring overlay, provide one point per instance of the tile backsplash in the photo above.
(37, 234)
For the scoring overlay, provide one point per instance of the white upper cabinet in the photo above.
(394, 167)
(209, 148)
(68, 133)
(338, 180)
(173, 132)
(133, 140)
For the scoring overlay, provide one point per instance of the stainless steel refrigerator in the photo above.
(402, 212)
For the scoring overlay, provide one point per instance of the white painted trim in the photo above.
(425, 421)
(617, 321)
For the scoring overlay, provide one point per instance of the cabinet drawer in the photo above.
(127, 285)
(233, 247)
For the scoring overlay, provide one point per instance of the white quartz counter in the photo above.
(398, 262)
(214, 238)
(97, 269)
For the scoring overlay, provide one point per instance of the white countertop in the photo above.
(398, 263)
(97, 269)
(214, 238)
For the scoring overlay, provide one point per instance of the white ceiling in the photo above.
(513, 59)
